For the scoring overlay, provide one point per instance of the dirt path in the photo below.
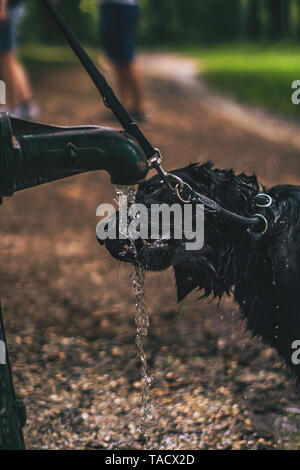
(69, 307)
(185, 73)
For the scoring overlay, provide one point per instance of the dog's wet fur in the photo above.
(262, 272)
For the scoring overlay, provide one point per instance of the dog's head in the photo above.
(214, 267)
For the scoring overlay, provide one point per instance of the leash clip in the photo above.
(268, 200)
(172, 181)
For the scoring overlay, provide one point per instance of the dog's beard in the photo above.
(193, 269)
(156, 255)
(152, 256)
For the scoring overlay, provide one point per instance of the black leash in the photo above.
(258, 223)
(109, 98)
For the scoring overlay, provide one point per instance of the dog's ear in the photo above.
(198, 271)
(184, 282)
(201, 172)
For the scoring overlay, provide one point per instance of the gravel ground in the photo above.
(69, 308)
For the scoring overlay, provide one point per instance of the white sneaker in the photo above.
(5, 109)
(27, 110)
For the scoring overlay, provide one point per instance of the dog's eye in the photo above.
(153, 188)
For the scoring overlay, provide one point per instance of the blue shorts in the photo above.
(8, 29)
(118, 25)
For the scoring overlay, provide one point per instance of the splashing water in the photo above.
(125, 196)
(142, 325)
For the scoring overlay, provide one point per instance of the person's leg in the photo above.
(19, 91)
(6, 37)
(129, 23)
(25, 90)
(122, 83)
(130, 86)
(137, 88)
(6, 73)
(110, 40)
(118, 29)
(17, 85)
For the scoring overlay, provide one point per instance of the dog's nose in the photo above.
(101, 242)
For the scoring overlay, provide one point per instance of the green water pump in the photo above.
(32, 154)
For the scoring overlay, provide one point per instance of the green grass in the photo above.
(37, 54)
(259, 75)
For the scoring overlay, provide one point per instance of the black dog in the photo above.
(263, 272)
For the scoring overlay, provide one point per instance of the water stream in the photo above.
(125, 196)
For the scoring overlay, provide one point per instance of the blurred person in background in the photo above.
(19, 93)
(118, 26)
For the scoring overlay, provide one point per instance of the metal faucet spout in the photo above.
(32, 154)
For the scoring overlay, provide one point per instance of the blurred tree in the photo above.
(275, 19)
(181, 21)
(286, 17)
(166, 22)
(80, 14)
(159, 21)
(298, 20)
(253, 20)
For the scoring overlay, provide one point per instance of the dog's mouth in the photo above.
(156, 255)
(152, 255)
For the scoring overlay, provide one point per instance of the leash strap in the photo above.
(257, 223)
(110, 99)
(187, 195)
